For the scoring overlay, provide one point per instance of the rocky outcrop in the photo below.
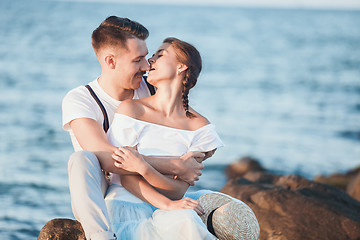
(243, 166)
(292, 207)
(62, 229)
(349, 182)
(287, 207)
(353, 188)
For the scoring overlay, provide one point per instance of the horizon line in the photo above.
(245, 4)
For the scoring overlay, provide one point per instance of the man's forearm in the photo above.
(164, 165)
(187, 167)
(107, 163)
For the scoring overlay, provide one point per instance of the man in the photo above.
(120, 48)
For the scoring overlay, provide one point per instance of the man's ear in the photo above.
(110, 61)
(181, 68)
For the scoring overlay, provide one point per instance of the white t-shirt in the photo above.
(78, 103)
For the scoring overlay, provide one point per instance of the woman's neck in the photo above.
(168, 99)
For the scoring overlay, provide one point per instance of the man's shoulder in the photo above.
(77, 90)
(77, 93)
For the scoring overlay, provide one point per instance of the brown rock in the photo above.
(353, 188)
(338, 180)
(243, 166)
(292, 207)
(62, 229)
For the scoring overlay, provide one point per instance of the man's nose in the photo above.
(145, 66)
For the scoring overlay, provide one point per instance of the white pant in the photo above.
(88, 187)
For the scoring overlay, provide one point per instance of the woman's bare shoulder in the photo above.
(199, 120)
(131, 107)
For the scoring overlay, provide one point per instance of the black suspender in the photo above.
(106, 119)
(150, 87)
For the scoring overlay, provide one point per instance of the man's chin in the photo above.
(136, 84)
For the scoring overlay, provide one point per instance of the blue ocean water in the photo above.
(281, 85)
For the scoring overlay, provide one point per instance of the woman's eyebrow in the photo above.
(159, 51)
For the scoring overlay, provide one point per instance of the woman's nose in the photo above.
(151, 60)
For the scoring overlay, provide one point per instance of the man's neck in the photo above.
(119, 94)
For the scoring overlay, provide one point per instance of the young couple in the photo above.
(153, 145)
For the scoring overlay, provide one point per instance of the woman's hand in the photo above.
(129, 159)
(186, 203)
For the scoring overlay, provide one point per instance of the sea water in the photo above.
(281, 85)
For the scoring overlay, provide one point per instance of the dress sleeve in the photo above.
(206, 139)
(124, 131)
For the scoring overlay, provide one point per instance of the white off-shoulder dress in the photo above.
(133, 218)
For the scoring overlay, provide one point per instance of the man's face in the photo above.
(131, 64)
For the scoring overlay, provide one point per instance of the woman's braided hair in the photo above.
(189, 56)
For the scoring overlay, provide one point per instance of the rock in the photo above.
(292, 207)
(243, 166)
(62, 229)
(338, 180)
(353, 189)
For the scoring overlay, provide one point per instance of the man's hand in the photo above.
(189, 167)
(209, 154)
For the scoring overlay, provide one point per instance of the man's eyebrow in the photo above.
(142, 56)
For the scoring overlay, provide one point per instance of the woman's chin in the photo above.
(150, 80)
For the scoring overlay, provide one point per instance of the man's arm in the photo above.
(186, 167)
(92, 137)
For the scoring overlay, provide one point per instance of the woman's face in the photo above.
(163, 64)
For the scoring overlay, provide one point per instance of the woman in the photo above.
(160, 125)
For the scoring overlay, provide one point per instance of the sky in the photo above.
(318, 4)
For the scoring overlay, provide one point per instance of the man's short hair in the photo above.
(115, 31)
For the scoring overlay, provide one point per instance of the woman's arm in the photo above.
(129, 159)
(167, 188)
(140, 188)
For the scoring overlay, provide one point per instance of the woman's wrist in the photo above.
(143, 168)
(166, 204)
